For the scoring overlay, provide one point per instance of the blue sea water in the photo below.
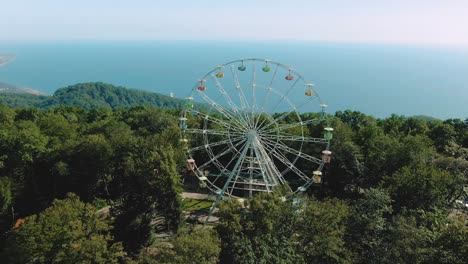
(375, 79)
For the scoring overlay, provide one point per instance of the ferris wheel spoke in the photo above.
(221, 122)
(269, 89)
(293, 109)
(283, 147)
(296, 138)
(302, 123)
(226, 96)
(215, 161)
(287, 92)
(211, 132)
(289, 165)
(281, 117)
(237, 176)
(269, 170)
(300, 154)
(289, 126)
(243, 100)
(226, 167)
(221, 109)
(236, 78)
(218, 143)
(267, 96)
(227, 150)
(254, 98)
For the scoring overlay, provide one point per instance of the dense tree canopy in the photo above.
(91, 96)
(67, 232)
(395, 192)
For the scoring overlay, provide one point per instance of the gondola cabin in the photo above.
(203, 178)
(317, 178)
(309, 92)
(241, 68)
(191, 164)
(266, 69)
(328, 134)
(201, 87)
(289, 77)
(183, 123)
(326, 156)
(220, 73)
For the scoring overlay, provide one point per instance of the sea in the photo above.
(377, 79)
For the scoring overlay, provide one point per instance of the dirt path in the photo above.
(197, 196)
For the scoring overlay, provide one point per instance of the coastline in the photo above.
(6, 58)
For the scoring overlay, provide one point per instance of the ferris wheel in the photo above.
(254, 125)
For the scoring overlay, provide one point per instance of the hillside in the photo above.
(91, 96)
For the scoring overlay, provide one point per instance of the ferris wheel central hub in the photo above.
(252, 134)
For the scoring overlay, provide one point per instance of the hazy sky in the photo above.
(440, 22)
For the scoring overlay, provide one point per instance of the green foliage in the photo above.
(201, 246)
(367, 225)
(22, 100)
(452, 244)
(154, 191)
(321, 231)
(67, 232)
(91, 96)
(6, 198)
(194, 205)
(396, 179)
(7, 116)
(406, 243)
(262, 232)
(422, 187)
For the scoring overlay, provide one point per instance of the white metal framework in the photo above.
(246, 131)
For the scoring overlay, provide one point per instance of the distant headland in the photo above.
(6, 58)
(10, 88)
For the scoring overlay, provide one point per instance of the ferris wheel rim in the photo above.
(298, 74)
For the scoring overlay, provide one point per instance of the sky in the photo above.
(428, 22)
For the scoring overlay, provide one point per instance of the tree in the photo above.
(6, 199)
(442, 134)
(321, 231)
(69, 231)
(405, 243)
(6, 204)
(451, 247)
(90, 160)
(392, 125)
(367, 225)
(262, 232)
(353, 118)
(422, 187)
(7, 116)
(152, 189)
(201, 246)
(347, 166)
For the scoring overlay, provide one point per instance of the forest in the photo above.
(100, 184)
(95, 95)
